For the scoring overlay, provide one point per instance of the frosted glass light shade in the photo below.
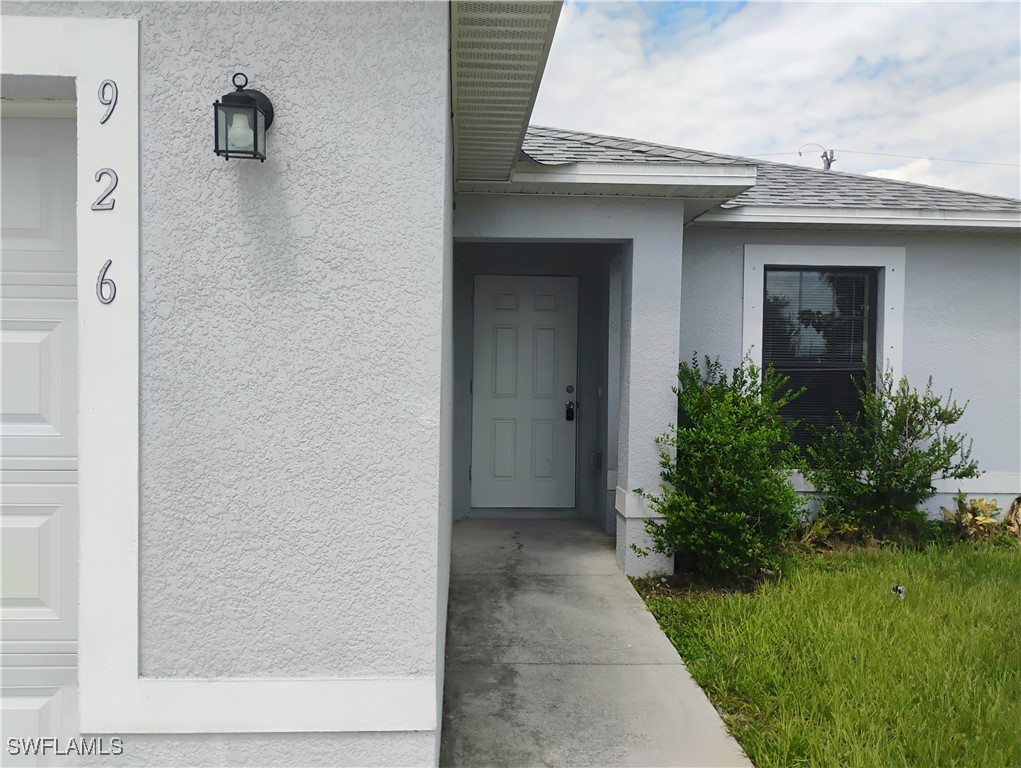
(241, 120)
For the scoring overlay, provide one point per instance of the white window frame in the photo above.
(889, 263)
(112, 696)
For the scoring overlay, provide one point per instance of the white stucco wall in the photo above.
(962, 324)
(291, 318)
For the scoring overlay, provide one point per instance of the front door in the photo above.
(524, 391)
(38, 435)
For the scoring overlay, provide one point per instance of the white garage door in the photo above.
(38, 435)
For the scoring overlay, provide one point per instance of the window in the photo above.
(881, 336)
(819, 330)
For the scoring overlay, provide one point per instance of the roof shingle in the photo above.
(777, 185)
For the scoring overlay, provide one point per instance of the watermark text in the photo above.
(81, 746)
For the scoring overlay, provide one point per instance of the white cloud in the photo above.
(939, 80)
(918, 171)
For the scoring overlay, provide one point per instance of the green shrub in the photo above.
(975, 520)
(874, 472)
(972, 518)
(725, 499)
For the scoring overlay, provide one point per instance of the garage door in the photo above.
(38, 435)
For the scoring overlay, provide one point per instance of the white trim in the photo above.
(37, 108)
(988, 483)
(889, 322)
(113, 697)
(631, 505)
(636, 173)
(260, 705)
(789, 216)
(671, 180)
(1008, 483)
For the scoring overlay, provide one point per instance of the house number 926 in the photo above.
(106, 289)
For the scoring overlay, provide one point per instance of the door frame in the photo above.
(112, 696)
(588, 261)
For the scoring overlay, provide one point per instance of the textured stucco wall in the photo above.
(962, 318)
(962, 326)
(291, 319)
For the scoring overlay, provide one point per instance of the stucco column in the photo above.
(650, 336)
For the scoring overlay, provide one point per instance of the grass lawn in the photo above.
(826, 667)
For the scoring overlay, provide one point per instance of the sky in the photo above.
(934, 80)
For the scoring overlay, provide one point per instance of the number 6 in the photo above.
(106, 289)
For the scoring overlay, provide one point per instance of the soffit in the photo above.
(703, 187)
(497, 56)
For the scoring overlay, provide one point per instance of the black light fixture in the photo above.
(241, 121)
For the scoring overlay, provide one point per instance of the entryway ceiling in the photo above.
(497, 57)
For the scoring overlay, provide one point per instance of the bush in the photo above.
(975, 520)
(874, 472)
(972, 518)
(725, 499)
(1012, 520)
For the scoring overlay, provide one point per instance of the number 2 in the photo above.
(102, 204)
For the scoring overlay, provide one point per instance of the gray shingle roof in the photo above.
(778, 184)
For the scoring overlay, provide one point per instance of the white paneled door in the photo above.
(524, 391)
(38, 436)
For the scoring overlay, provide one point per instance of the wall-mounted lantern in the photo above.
(241, 121)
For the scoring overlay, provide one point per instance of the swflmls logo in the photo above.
(50, 746)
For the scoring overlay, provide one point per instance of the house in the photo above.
(245, 401)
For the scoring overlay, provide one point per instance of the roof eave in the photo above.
(778, 217)
(667, 180)
(498, 54)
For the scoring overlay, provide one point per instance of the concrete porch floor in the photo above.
(553, 660)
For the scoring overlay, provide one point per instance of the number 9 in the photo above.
(109, 102)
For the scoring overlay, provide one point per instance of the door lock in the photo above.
(570, 410)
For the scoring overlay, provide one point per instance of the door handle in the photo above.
(570, 410)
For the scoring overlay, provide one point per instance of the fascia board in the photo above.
(623, 180)
(1007, 220)
(660, 174)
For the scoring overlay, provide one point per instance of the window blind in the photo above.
(819, 331)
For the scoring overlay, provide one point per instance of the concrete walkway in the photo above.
(553, 659)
